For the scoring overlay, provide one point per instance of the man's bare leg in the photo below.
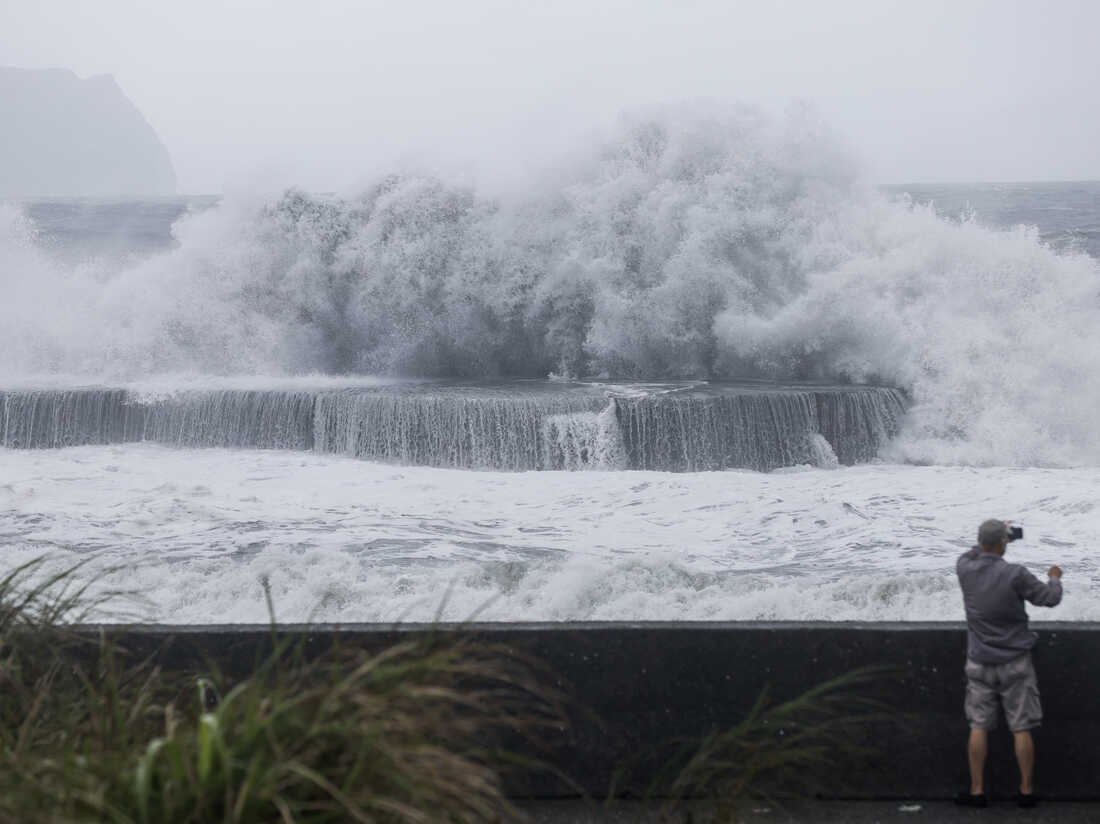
(1025, 757)
(978, 746)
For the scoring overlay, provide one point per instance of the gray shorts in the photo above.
(1015, 684)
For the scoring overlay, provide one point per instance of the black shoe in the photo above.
(965, 799)
(1026, 800)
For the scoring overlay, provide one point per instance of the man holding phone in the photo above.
(998, 655)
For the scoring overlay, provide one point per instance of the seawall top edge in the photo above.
(571, 626)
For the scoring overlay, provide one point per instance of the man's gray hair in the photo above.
(992, 532)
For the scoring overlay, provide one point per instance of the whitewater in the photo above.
(697, 245)
(194, 532)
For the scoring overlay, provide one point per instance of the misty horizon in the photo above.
(252, 96)
(539, 166)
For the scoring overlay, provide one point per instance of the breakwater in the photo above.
(640, 686)
(523, 425)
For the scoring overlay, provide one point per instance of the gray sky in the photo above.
(323, 93)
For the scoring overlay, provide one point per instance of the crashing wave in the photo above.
(717, 244)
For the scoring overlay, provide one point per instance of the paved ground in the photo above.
(811, 812)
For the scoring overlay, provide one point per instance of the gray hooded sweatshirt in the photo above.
(994, 592)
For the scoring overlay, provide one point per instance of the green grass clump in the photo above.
(782, 750)
(414, 733)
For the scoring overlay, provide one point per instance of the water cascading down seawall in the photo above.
(525, 425)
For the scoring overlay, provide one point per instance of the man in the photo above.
(999, 653)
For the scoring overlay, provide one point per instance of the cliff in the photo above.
(61, 135)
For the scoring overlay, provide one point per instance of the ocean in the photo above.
(907, 361)
(1065, 213)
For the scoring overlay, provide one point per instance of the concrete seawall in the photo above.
(655, 683)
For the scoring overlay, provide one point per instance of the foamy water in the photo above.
(697, 243)
(346, 540)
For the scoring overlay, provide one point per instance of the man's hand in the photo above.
(1055, 572)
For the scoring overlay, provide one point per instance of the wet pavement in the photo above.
(805, 812)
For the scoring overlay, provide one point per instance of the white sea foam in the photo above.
(344, 540)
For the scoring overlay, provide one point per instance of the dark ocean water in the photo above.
(78, 228)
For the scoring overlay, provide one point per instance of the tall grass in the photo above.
(91, 732)
(423, 732)
(788, 749)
